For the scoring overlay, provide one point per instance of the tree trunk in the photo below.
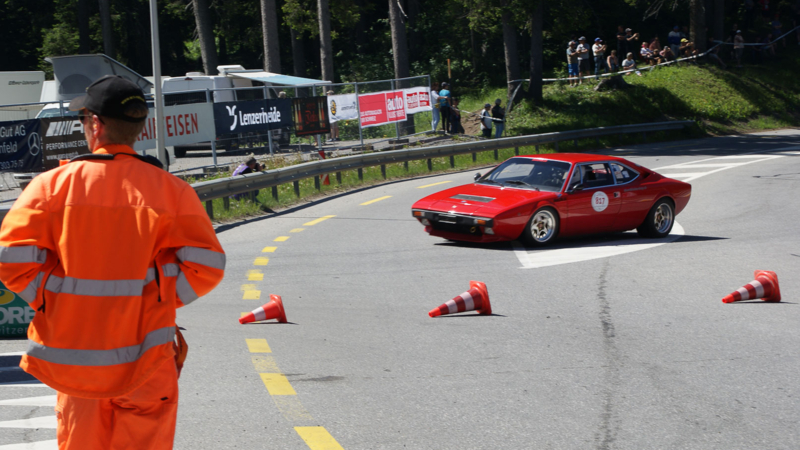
(535, 86)
(108, 32)
(719, 20)
(298, 56)
(325, 44)
(84, 41)
(205, 33)
(510, 46)
(269, 24)
(400, 55)
(697, 23)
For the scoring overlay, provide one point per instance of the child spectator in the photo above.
(630, 64)
(613, 62)
(583, 59)
(572, 64)
(486, 121)
(599, 50)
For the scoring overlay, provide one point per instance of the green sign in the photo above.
(15, 314)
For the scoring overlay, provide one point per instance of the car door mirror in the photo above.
(477, 176)
(575, 187)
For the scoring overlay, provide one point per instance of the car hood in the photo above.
(480, 199)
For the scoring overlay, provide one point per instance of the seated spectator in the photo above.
(666, 54)
(687, 48)
(630, 64)
(655, 46)
(613, 62)
(249, 166)
(646, 54)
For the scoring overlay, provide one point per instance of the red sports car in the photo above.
(538, 198)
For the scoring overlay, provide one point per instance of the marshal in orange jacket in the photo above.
(105, 251)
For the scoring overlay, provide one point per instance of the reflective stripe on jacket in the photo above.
(105, 251)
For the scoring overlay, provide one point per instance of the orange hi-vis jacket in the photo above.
(105, 251)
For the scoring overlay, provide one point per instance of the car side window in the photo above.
(596, 175)
(623, 174)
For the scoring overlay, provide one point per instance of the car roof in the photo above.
(575, 157)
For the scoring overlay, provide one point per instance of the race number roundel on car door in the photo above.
(599, 201)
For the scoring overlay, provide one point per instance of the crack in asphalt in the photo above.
(607, 433)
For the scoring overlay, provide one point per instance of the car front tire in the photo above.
(542, 228)
(659, 220)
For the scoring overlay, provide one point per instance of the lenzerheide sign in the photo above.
(252, 116)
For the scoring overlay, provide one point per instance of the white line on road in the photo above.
(40, 445)
(45, 400)
(36, 422)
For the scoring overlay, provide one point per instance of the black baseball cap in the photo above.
(109, 96)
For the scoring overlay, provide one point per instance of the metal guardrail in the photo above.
(224, 188)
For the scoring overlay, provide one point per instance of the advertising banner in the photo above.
(184, 124)
(20, 146)
(381, 108)
(417, 99)
(62, 138)
(310, 116)
(15, 314)
(343, 107)
(252, 116)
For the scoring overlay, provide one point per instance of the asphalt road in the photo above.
(633, 350)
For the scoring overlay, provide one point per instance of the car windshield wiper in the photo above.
(521, 182)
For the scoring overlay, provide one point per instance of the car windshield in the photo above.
(527, 173)
(54, 112)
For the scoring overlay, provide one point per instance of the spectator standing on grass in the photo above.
(674, 39)
(630, 64)
(599, 50)
(455, 118)
(435, 103)
(631, 38)
(499, 118)
(583, 59)
(572, 64)
(445, 101)
(622, 42)
(738, 48)
(613, 62)
(486, 121)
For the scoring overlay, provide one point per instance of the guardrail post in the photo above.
(405, 166)
(252, 195)
(496, 155)
(557, 150)
(474, 157)
(275, 193)
(537, 148)
(575, 143)
(452, 162)
(430, 165)
(597, 141)
(516, 151)
(316, 182)
(296, 188)
(383, 171)
(644, 136)
(226, 203)
(339, 177)
(210, 209)
(360, 174)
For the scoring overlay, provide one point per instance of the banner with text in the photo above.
(381, 108)
(310, 116)
(252, 116)
(62, 138)
(20, 146)
(184, 124)
(417, 99)
(343, 107)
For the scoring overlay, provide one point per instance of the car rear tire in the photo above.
(542, 228)
(659, 220)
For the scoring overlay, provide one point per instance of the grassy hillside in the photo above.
(755, 97)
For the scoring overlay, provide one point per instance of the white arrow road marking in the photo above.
(46, 400)
(36, 422)
(41, 445)
(545, 258)
(718, 165)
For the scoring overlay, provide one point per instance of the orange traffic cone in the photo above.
(765, 286)
(475, 299)
(271, 310)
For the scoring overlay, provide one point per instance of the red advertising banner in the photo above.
(418, 99)
(381, 108)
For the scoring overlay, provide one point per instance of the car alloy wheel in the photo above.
(542, 227)
(662, 219)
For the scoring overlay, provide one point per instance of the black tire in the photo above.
(659, 220)
(542, 227)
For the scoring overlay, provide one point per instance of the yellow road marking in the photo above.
(292, 409)
(434, 184)
(277, 384)
(261, 261)
(269, 249)
(318, 438)
(255, 275)
(376, 200)
(265, 364)
(281, 238)
(258, 346)
(296, 230)
(251, 295)
(316, 221)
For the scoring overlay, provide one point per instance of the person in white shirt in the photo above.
(630, 64)
(435, 104)
(583, 59)
(599, 50)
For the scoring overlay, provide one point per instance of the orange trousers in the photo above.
(141, 419)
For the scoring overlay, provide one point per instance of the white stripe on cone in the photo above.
(469, 303)
(260, 314)
(759, 288)
(452, 308)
